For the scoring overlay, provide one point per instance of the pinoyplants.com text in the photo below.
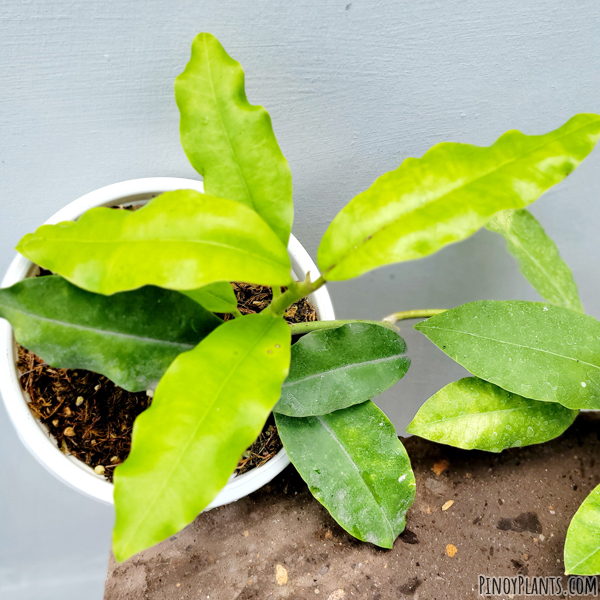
(537, 586)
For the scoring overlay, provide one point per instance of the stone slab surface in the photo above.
(509, 516)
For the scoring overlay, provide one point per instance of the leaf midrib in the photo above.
(358, 471)
(596, 551)
(98, 330)
(225, 130)
(196, 428)
(262, 258)
(477, 414)
(541, 350)
(454, 189)
(342, 368)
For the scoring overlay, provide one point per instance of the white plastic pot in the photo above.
(36, 437)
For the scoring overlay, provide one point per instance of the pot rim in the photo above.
(36, 437)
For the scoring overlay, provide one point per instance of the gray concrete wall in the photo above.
(353, 87)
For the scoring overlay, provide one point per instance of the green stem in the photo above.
(296, 291)
(414, 314)
(236, 313)
(298, 328)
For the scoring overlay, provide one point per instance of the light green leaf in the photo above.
(230, 142)
(449, 193)
(476, 415)
(355, 465)
(336, 368)
(538, 257)
(207, 409)
(130, 337)
(536, 350)
(217, 297)
(181, 240)
(582, 546)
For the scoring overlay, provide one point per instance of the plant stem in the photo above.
(236, 313)
(413, 314)
(306, 327)
(296, 291)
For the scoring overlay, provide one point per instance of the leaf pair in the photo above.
(475, 414)
(218, 384)
(184, 240)
(543, 360)
(210, 405)
(425, 204)
(343, 446)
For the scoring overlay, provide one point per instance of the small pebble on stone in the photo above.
(439, 467)
(281, 575)
(451, 550)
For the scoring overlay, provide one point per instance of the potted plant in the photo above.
(533, 364)
(35, 434)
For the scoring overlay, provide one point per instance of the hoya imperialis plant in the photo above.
(133, 297)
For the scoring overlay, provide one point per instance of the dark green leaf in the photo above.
(208, 408)
(229, 141)
(476, 415)
(582, 546)
(217, 297)
(536, 350)
(449, 193)
(181, 240)
(355, 465)
(538, 257)
(336, 368)
(130, 337)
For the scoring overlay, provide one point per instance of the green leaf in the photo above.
(336, 368)
(582, 546)
(538, 257)
(536, 350)
(355, 465)
(181, 240)
(476, 415)
(217, 297)
(230, 142)
(131, 337)
(449, 193)
(207, 409)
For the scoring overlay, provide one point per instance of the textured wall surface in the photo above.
(353, 87)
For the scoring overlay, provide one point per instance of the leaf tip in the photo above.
(20, 247)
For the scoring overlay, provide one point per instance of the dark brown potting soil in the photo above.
(475, 514)
(92, 419)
